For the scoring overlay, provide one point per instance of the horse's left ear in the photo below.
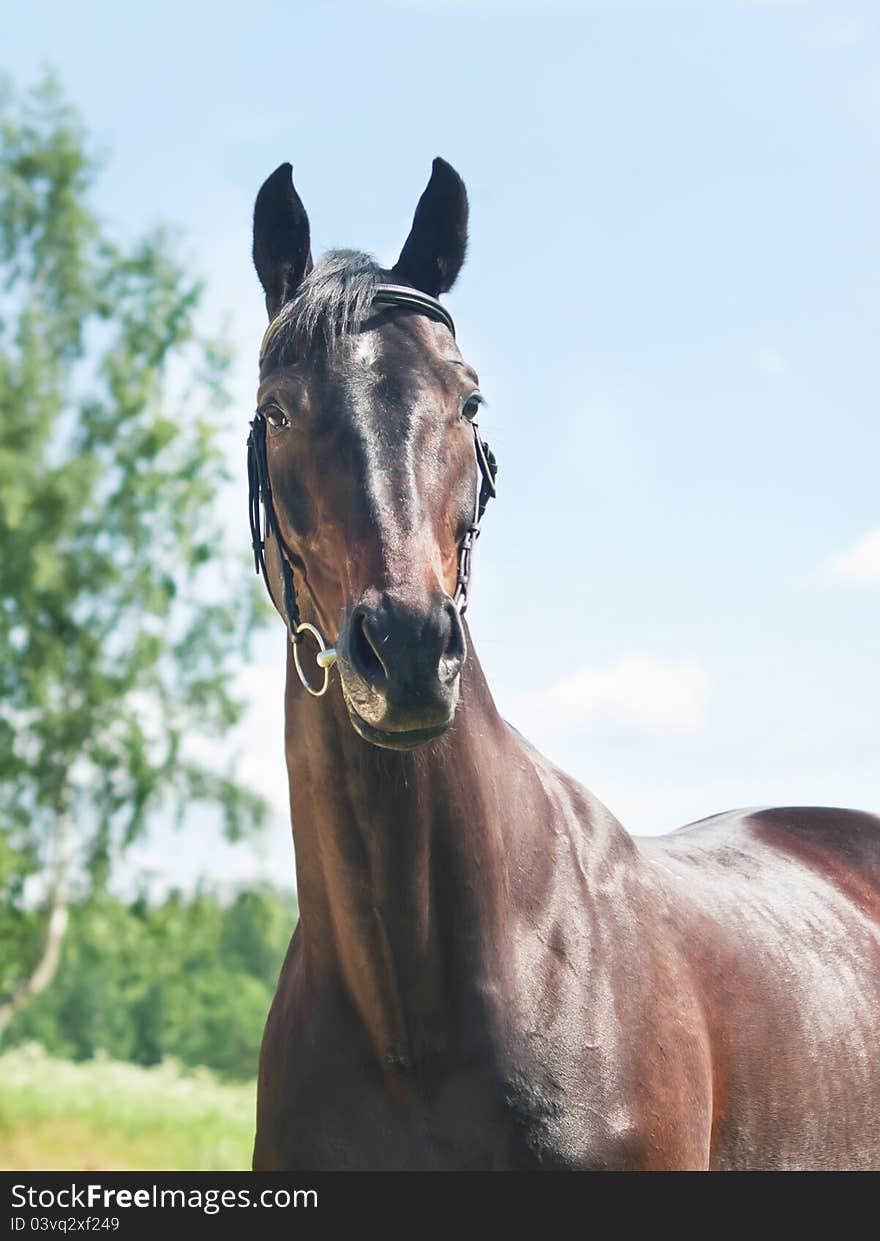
(434, 251)
(282, 250)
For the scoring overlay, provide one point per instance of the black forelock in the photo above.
(332, 301)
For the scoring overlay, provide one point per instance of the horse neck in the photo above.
(402, 857)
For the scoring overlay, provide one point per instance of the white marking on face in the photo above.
(366, 349)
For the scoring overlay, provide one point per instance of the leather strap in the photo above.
(403, 295)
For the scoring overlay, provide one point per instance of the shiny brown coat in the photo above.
(488, 971)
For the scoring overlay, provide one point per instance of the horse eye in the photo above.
(276, 417)
(471, 406)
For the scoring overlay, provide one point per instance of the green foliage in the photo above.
(120, 613)
(105, 1115)
(190, 978)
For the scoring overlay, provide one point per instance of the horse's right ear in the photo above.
(434, 250)
(282, 250)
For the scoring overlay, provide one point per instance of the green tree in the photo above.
(254, 925)
(120, 613)
(189, 978)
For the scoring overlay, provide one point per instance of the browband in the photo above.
(383, 295)
(403, 295)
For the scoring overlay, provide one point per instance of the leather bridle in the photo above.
(260, 490)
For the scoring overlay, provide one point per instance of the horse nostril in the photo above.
(364, 653)
(454, 649)
(398, 649)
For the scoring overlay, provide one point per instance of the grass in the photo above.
(103, 1115)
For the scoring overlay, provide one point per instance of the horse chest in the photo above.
(489, 1110)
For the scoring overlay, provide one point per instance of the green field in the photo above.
(102, 1115)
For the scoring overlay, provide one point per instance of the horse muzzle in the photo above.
(400, 663)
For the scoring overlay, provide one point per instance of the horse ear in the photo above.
(282, 250)
(434, 251)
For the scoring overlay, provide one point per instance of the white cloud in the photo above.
(860, 562)
(637, 692)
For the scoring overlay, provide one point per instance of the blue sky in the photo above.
(673, 301)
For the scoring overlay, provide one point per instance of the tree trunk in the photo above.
(56, 928)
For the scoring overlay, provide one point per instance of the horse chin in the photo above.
(395, 739)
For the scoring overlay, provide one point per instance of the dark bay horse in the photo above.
(488, 971)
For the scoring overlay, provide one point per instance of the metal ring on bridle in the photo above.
(325, 659)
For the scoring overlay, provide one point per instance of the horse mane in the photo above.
(332, 301)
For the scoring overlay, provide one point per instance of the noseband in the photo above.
(260, 490)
